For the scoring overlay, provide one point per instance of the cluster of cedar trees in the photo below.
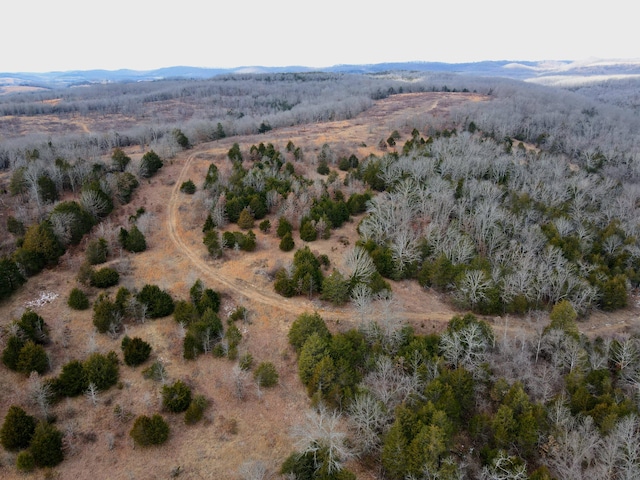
(425, 403)
(41, 245)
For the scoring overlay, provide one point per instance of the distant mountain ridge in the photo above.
(549, 72)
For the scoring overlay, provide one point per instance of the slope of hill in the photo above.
(515, 201)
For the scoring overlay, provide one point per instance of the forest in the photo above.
(518, 206)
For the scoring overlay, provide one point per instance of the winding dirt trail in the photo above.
(235, 285)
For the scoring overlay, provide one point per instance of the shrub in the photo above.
(304, 326)
(17, 429)
(25, 461)
(180, 138)
(323, 167)
(185, 312)
(33, 327)
(284, 227)
(283, 284)
(229, 240)
(97, 251)
(46, 445)
(78, 300)
(196, 409)
(40, 240)
(246, 219)
(246, 361)
(265, 226)
(335, 288)
(15, 226)
(132, 240)
(126, 184)
(71, 381)
(120, 159)
(308, 231)
(104, 278)
(149, 431)
(212, 242)
(32, 358)
(287, 244)
(266, 375)
(150, 164)
(188, 187)
(11, 352)
(101, 370)
(155, 372)
(202, 335)
(209, 224)
(239, 313)
(177, 397)
(106, 314)
(10, 277)
(208, 299)
(233, 336)
(248, 242)
(159, 303)
(135, 350)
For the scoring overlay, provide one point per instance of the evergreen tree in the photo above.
(17, 429)
(104, 278)
(149, 431)
(120, 159)
(287, 244)
(11, 352)
(46, 445)
(40, 248)
(245, 220)
(284, 227)
(212, 242)
(188, 187)
(10, 277)
(133, 240)
(335, 288)
(97, 251)
(72, 380)
(101, 370)
(32, 358)
(150, 164)
(78, 300)
(135, 350)
(159, 303)
(176, 397)
(304, 326)
(266, 375)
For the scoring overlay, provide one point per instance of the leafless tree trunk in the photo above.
(39, 394)
(323, 432)
(92, 394)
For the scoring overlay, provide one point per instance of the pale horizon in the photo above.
(44, 36)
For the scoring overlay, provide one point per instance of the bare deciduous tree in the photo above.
(322, 433)
(253, 470)
(39, 394)
(93, 203)
(359, 266)
(92, 394)
(368, 418)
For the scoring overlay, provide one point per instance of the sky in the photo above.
(59, 35)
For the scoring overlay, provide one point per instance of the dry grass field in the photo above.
(234, 432)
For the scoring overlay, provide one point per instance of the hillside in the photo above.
(479, 198)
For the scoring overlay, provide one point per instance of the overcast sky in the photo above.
(50, 35)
